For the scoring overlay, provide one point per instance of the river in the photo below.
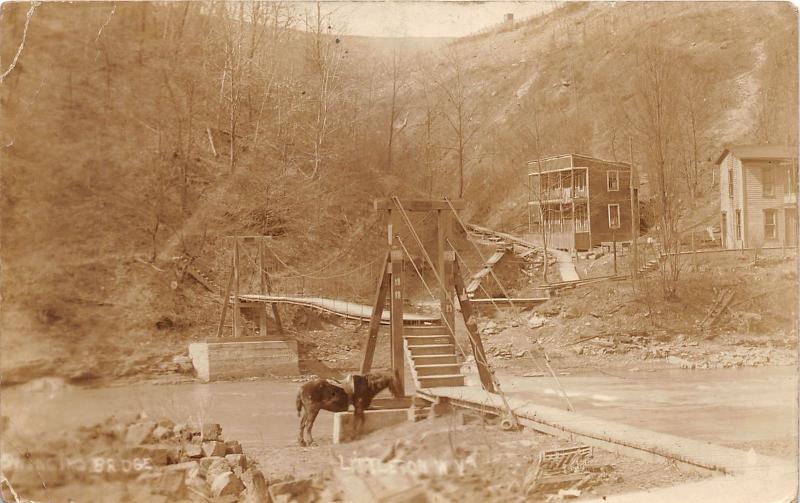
(726, 406)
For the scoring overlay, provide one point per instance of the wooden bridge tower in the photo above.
(448, 278)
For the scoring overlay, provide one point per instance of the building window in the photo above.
(738, 223)
(770, 224)
(581, 219)
(580, 184)
(791, 180)
(612, 177)
(613, 216)
(730, 183)
(767, 182)
(723, 229)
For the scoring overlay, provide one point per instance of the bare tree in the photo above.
(325, 54)
(694, 133)
(655, 117)
(428, 126)
(395, 69)
(459, 112)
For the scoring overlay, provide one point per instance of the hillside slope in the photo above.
(109, 110)
(574, 72)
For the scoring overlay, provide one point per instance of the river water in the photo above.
(724, 406)
(721, 406)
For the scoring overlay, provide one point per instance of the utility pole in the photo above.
(634, 190)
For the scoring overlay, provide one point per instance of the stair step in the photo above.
(434, 359)
(441, 380)
(437, 369)
(432, 349)
(423, 340)
(426, 330)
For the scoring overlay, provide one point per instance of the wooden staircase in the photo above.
(492, 261)
(650, 265)
(431, 354)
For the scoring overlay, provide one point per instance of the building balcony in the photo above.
(559, 195)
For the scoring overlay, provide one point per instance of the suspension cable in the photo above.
(491, 271)
(425, 283)
(479, 358)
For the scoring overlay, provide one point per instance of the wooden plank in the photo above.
(262, 312)
(614, 437)
(446, 302)
(237, 314)
(397, 351)
(377, 314)
(195, 274)
(225, 302)
(445, 259)
(417, 204)
(504, 302)
(472, 329)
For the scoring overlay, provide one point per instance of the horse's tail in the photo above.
(299, 402)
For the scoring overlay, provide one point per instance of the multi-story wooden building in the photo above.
(758, 196)
(582, 202)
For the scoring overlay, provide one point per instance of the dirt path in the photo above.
(566, 267)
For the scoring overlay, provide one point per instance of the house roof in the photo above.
(759, 152)
(574, 161)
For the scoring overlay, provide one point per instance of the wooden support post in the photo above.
(397, 351)
(377, 314)
(475, 342)
(634, 191)
(237, 308)
(614, 245)
(448, 311)
(226, 300)
(444, 221)
(262, 311)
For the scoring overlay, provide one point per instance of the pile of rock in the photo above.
(491, 328)
(179, 364)
(506, 353)
(195, 462)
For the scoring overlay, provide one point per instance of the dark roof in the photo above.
(759, 152)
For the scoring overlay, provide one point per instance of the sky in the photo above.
(422, 18)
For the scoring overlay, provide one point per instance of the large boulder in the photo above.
(211, 431)
(193, 450)
(216, 467)
(139, 433)
(171, 483)
(226, 484)
(233, 447)
(161, 433)
(256, 486)
(213, 448)
(238, 462)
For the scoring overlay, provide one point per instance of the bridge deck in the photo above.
(337, 307)
(622, 438)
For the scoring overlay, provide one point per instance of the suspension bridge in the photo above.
(426, 344)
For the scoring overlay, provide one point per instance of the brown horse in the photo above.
(322, 394)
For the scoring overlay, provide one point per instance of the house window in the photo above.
(580, 184)
(581, 219)
(612, 177)
(730, 183)
(767, 182)
(613, 216)
(791, 180)
(738, 229)
(723, 228)
(770, 224)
